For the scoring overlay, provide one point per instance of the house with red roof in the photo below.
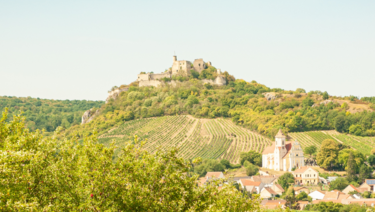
(283, 156)
(251, 186)
(351, 188)
(369, 184)
(306, 175)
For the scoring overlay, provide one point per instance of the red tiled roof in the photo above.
(269, 149)
(270, 190)
(302, 169)
(213, 174)
(288, 147)
(249, 183)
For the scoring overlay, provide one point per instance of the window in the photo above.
(296, 154)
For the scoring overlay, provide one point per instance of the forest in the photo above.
(46, 113)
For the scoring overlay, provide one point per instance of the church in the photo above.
(282, 156)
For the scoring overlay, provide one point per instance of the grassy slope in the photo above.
(363, 144)
(205, 138)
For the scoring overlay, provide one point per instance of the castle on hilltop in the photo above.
(182, 68)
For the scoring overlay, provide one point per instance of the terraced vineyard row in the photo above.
(205, 138)
(363, 144)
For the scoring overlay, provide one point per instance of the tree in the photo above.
(364, 173)
(226, 163)
(351, 169)
(302, 196)
(328, 153)
(46, 174)
(358, 157)
(371, 160)
(251, 156)
(251, 169)
(286, 180)
(339, 184)
(291, 200)
(325, 95)
(310, 150)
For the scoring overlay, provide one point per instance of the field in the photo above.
(362, 144)
(205, 138)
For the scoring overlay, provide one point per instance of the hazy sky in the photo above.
(80, 49)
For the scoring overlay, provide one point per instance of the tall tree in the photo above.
(325, 95)
(328, 154)
(351, 168)
(291, 200)
(364, 173)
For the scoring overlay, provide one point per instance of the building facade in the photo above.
(282, 156)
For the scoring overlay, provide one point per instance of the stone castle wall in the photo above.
(154, 83)
(220, 81)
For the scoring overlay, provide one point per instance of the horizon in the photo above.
(80, 50)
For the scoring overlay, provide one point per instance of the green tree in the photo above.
(371, 160)
(364, 173)
(351, 169)
(325, 95)
(251, 169)
(310, 150)
(46, 174)
(251, 156)
(286, 180)
(339, 184)
(291, 200)
(225, 163)
(328, 154)
(344, 154)
(302, 196)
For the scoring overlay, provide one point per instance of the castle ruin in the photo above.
(180, 67)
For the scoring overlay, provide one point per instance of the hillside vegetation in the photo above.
(205, 138)
(46, 113)
(243, 102)
(362, 144)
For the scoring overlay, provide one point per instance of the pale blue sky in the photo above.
(80, 49)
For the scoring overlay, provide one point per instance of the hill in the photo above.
(362, 144)
(47, 114)
(205, 138)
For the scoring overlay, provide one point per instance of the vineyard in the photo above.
(362, 144)
(205, 138)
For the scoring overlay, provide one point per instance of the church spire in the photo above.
(280, 134)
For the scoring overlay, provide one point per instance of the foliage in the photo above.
(251, 156)
(286, 180)
(291, 200)
(325, 95)
(371, 160)
(338, 207)
(310, 150)
(344, 156)
(208, 165)
(328, 154)
(46, 174)
(364, 173)
(250, 169)
(351, 168)
(47, 114)
(302, 196)
(339, 184)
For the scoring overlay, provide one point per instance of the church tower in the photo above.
(280, 150)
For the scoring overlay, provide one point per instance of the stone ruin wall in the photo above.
(220, 81)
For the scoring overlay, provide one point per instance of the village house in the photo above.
(209, 176)
(306, 175)
(298, 190)
(273, 204)
(317, 195)
(278, 189)
(352, 188)
(334, 196)
(267, 193)
(283, 156)
(268, 181)
(251, 186)
(369, 185)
